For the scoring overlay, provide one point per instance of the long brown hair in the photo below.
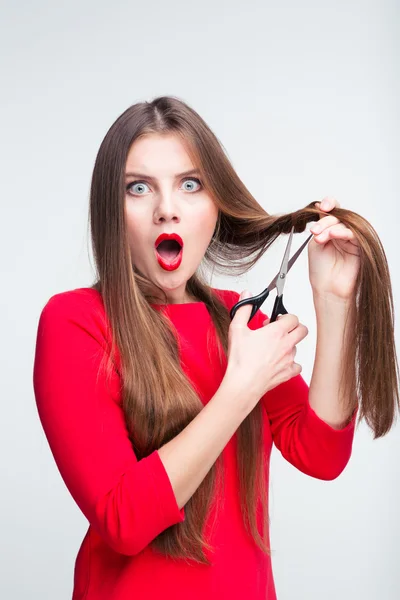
(157, 398)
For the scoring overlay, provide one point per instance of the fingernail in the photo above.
(246, 294)
(325, 205)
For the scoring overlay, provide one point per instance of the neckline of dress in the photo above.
(171, 305)
(199, 303)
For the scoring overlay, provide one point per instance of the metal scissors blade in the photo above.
(279, 281)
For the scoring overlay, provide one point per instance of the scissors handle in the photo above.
(278, 309)
(256, 301)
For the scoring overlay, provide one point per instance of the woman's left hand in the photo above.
(333, 256)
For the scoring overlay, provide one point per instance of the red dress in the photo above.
(128, 502)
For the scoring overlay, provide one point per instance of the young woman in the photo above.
(160, 412)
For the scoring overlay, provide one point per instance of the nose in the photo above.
(166, 210)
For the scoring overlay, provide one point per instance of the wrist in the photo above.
(333, 317)
(329, 304)
(234, 387)
(324, 297)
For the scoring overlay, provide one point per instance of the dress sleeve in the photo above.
(128, 502)
(306, 441)
(303, 438)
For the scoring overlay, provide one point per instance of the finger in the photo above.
(343, 232)
(243, 313)
(288, 322)
(329, 203)
(323, 223)
(297, 369)
(298, 334)
(337, 232)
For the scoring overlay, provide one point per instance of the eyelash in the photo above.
(184, 179)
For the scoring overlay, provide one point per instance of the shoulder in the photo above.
(82, 306)
(83, 296)
(228, 297)
(76, 299)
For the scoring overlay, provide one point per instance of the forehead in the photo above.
(159, 154)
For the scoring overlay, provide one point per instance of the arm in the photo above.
(190, 455)
(128, 502)
(304, 438)
(325, 396)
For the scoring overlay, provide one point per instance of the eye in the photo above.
(140, 184)
(192, 179)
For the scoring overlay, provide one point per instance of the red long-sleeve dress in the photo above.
(128, 502)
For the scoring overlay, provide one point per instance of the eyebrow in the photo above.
(190, 172)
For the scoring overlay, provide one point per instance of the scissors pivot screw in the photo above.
(278, 308)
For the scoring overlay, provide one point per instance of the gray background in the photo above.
(304, 96)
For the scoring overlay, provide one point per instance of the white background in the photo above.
(305, 98)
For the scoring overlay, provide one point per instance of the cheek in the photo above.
(205, 221)
(131, 224)
(136, 232)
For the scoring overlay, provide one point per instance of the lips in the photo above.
(169, 254)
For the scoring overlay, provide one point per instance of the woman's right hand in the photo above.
(261, 359)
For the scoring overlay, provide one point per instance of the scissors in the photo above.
(278, 282)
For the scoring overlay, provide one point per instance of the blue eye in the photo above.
(142, 183)
(138, 183)
(193, 179)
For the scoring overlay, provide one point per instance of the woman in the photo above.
(159, 411)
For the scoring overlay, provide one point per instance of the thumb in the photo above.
(243, 312)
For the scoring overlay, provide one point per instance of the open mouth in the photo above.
(169, 253)
(169, 249)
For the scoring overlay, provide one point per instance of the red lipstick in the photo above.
(169, 257)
